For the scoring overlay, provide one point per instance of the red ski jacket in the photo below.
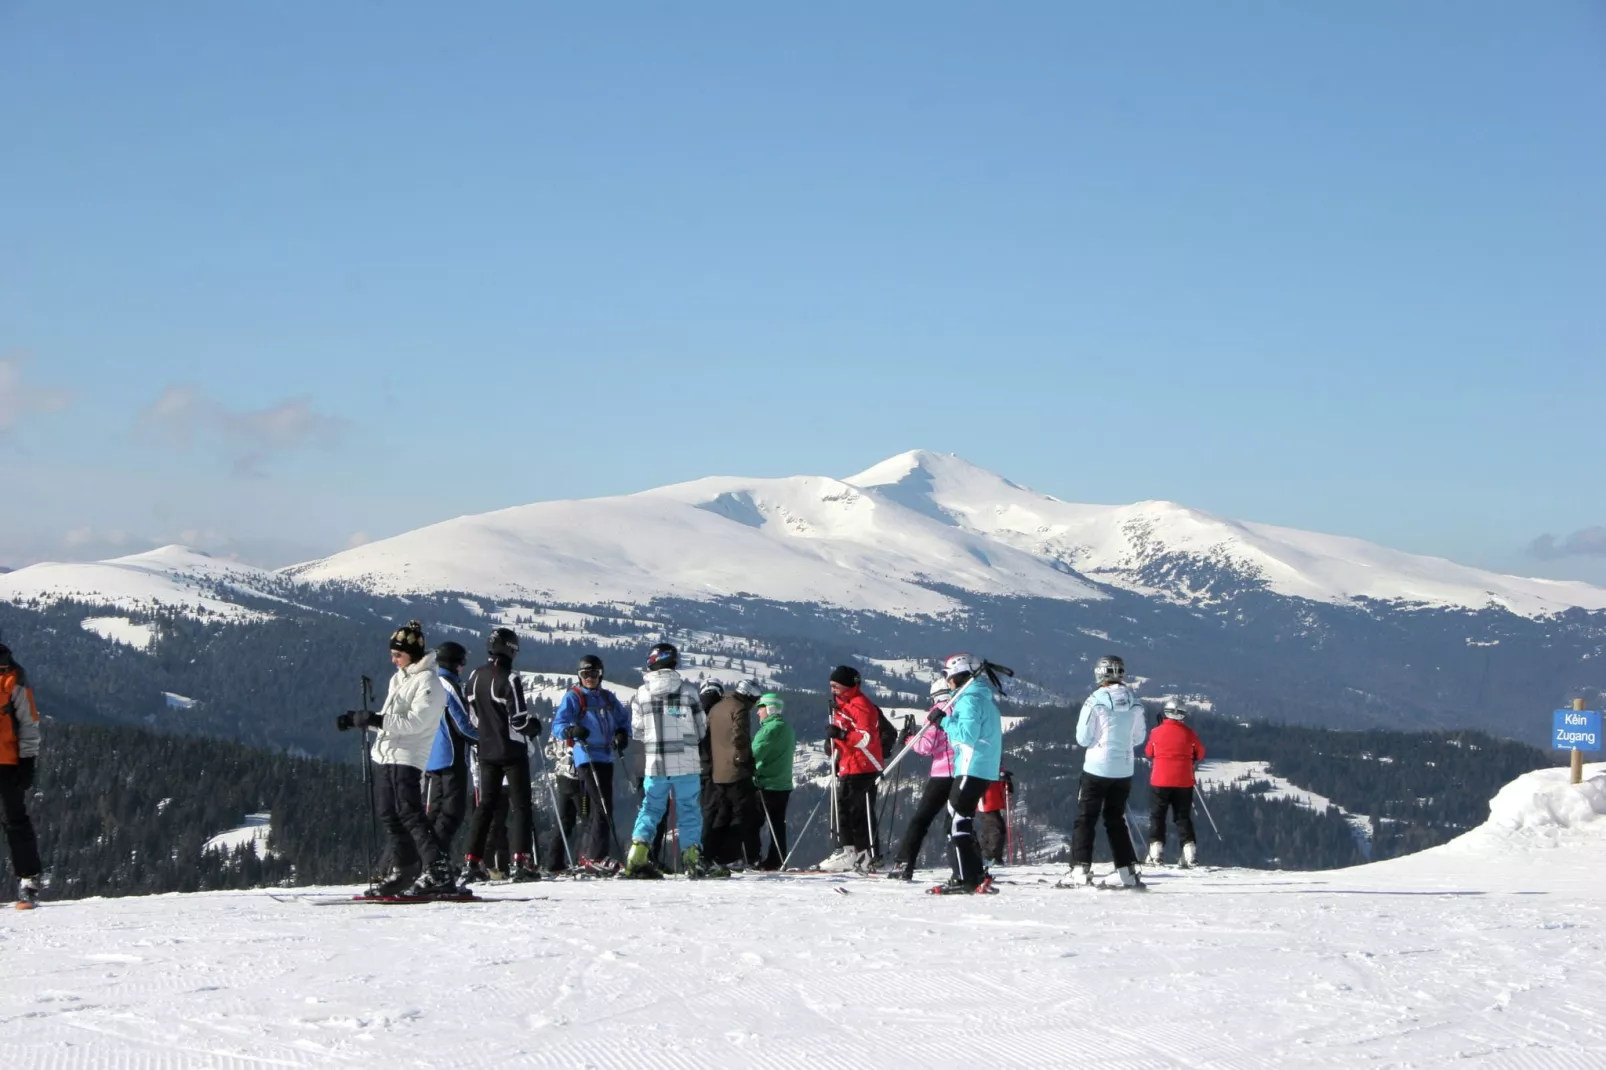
(1174, 747)
(992, 799)
(856, 715)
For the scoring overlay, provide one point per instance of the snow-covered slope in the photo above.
(171, 577)
(800, 539)
(1484, 953)
(1163, 548)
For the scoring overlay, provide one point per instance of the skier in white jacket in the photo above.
(1111, 726)
(406, 724)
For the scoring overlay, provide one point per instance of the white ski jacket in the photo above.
(413, 709)
(1110, 727)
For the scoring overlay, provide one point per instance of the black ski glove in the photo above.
(344, 722)
(935, 717)
(364, 719)
(836, 733)
(526, 724)
(621, 741)
(25, 772)
(908, 732)
(577, 733)
(1009, 781)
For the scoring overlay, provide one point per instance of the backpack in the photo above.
(889, 735)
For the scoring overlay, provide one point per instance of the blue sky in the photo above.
(274, 277)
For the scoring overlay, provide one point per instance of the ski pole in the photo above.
(800, 835)
(1205, 806)
(775, 841)
(367, 784)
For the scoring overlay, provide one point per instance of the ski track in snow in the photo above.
(1485, 953)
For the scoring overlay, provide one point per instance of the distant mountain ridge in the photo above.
(898, 538)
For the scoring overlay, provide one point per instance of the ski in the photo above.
(341, 900)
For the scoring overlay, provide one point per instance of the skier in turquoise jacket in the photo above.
(975, 729)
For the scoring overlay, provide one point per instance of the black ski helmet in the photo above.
(751, 690)
(711, 686)
(663, 656)
(451, 655)
(1109, 669)
(503, 641)
(590, 663)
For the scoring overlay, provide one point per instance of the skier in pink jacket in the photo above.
(932, 742)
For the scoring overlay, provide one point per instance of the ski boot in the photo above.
(524, 870)
(982, 885)
(397, 882)
(638, 864)
(1130, 881)
(1080, 876)
(1190, 855)
(843, 861)
(901, 871)
(1156, 854)
(27, 893)
(439, 879)
(697, 867)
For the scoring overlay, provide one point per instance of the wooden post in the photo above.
(1578, 755)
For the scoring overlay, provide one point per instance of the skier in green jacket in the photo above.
(773, 747)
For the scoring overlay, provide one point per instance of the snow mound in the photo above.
(1544, 805)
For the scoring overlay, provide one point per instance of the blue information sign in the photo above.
(1577, 730)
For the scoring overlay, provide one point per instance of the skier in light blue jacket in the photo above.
(1111, 726)
(976, 731)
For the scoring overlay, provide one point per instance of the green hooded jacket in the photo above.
(773, 747)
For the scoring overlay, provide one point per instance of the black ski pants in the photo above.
(992, 835)
(933, 801)
(775, 803)
(571, 795)
(855, 805)
(399, 798)
(501, 784)
(446, 801)
(597, 778)
(1180, 802)
(1105, 796)
(733, 835)
(963, 854)
(20, 836)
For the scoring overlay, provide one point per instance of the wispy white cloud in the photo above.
(184, 415)
(1585, 542)
(20, 399)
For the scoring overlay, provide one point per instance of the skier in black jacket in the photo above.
(496, 705)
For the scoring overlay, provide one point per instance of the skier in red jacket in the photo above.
(1174, 749)
(854, 739)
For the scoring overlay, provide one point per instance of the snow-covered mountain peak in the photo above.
(168, 577)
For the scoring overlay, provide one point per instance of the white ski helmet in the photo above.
(961, 664)
(940, 690)
(1175, 710)
(1109, 670)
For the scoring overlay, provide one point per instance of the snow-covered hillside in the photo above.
(1171, 550)
(800, 539)
(1488, 952)
(168, 578)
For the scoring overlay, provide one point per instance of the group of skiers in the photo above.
(710, 786)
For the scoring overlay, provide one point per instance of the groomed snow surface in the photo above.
(1487, 952)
